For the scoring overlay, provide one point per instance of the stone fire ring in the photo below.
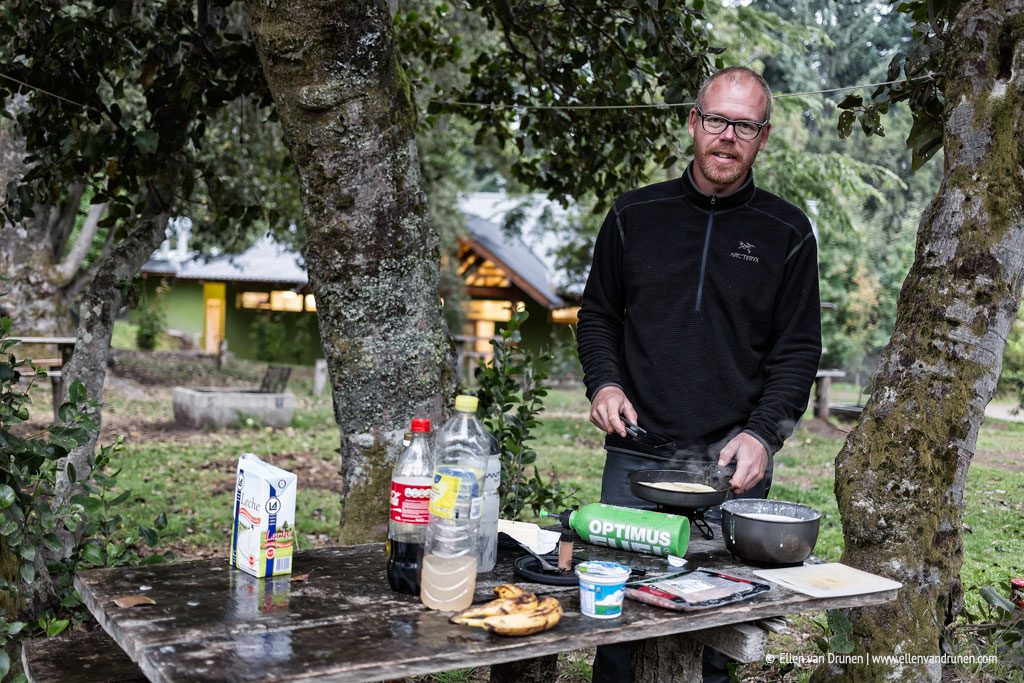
(217, 407)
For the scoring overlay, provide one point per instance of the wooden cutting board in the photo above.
(830, 580)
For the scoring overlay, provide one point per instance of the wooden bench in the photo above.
(94, 656)
(275, 379)
(53, 366)
(822, 384)
(78, 658)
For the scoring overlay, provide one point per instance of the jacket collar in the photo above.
(703, 201)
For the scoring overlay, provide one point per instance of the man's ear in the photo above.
(691, 123)
(765, 132)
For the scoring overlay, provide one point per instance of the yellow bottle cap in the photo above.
(466, 404)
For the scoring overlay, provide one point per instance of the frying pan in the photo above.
(681, 499)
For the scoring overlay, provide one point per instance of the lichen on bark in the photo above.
(901, 476)
(372, 256)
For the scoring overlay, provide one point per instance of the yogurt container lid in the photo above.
(603, 570)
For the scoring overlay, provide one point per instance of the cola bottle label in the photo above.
(410, 502)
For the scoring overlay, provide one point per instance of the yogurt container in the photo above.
(602, 587)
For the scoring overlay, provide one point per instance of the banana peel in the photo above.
(516, 612)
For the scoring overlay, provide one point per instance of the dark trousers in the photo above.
(611, 664)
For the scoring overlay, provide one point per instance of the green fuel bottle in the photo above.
(638, 531)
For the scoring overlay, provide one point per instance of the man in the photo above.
(700, 319)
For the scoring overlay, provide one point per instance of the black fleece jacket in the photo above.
(705, 311)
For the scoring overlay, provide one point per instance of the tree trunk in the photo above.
(900, 477)
(372, 255)
(668, 659)
(101, 301)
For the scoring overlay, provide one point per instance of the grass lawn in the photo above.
(189, 476)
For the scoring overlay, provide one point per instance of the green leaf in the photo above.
(851, 101)
(5, 664)
(66, 413)
(76, 392)
(14, 628)
(160, 522)
(148, 535)
(93, 554)
(28, 572)
(998, 601)
(838, 622)
(7, 496)
(846, 121)
(120, 499)
(55, 627)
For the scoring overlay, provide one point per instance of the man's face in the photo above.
(723, 159)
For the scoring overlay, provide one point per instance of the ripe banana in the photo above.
(510, 590)
(511, 598)
(521, 603)
(541, 616)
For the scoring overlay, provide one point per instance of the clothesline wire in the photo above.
(662, 105)
(45, 92)
(500, 105)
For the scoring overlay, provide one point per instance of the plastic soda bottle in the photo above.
(452, 546)
(491, 509)
(410, 510)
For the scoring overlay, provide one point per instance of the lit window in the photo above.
(278, 300)
(484, 334)
(283, 300)
(569, 315)
(493, 311)
(254, 300)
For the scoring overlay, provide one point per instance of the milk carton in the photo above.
(263, 535)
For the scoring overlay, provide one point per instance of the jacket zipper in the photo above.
(704, 256)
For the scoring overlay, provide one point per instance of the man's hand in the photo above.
(607, 407)
(751, 461)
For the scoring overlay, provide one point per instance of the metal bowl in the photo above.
(753, 537)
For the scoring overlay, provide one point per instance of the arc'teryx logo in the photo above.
(747, 247)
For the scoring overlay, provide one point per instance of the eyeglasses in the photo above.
(745, 130)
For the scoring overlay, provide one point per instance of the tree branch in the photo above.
(70, 265)
(82, 277)
(62, 221)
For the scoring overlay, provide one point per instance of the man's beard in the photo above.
(719, 174)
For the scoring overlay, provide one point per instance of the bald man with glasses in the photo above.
(700, 318)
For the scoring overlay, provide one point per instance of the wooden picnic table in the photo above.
(65, 348)
(335, 619)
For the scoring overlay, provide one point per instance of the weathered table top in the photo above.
(343, 623)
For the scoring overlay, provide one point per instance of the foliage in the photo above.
(151, 317)
(867, 197)
(919, 81)
(118, 93)
(279, 337)
(835, 633)
(511, 392)
(31, 529)
(994, 631)
(592, 52)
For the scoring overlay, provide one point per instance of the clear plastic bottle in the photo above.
(491, 509)
(410, 510)
(450, 557)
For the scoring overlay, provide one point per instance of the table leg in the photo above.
(669, 659)
(536, 670)
(821, 389)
